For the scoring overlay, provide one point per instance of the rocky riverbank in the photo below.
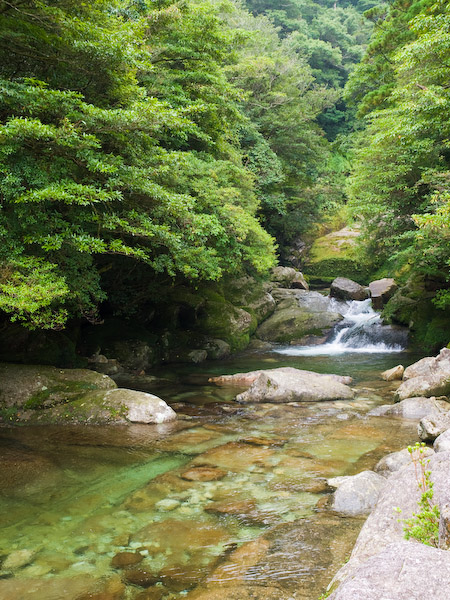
(383, 563)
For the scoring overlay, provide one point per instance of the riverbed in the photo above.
(226, 502)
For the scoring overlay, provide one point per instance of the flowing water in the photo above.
(227, 502)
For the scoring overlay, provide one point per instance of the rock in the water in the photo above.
(17, 559)
(418, 408)
(435, 384)
(37, 386)
(143, 577)
(402, 571)
(217, 349)
(429, 365)
(123, 560)
(288, 384)
(346, 289)
(357, 495)
(431, 427)
(381, 290)
(203, 474)
(299, 282)
(394, 462)
(393, 374)
(442, 442)
(299, 314)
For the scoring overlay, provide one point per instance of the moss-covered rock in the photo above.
(299, 315)
(336, 255)
(222, 320)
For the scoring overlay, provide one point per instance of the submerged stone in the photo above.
(203, 474)
(122, 560)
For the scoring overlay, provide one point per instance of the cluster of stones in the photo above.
(380, 291)
(383, 564)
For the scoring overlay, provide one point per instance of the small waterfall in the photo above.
(360, 331)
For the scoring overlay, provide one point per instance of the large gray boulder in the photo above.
(429, 376)
(347, 289)
(358, 494)
(430, 365)
(384, 525)
(432, 427)
(442, 442)
(294, 385)
(299, 314)
(401, 571)
(416, 408)
(381, 290)
(396, 460)
(118, 406)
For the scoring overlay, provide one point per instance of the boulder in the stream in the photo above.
(428, 377)
(414, 408)
(432, 427)
(299, 315)
(347, 289)
(396, 460)
(381, 290)
(442, 442)
(287, 384)
(356, 495)
(393, 374)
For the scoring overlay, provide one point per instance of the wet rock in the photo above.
(381, 290)
(240, 592)
(442, 442)
(428, 377)
(152, 593)
(417, 408)
(167, 504)
(395, 461)
(299, 314)
(346, 289)
(34, 386)
(245, 510)
(357, 495)
(402, 571)
(288, 384)
(203, 474)
(69, 588)
(144, 577)
(180, 578)
(393, 374)
(236, 457)
(122, 560)
(17, 559)
(432, 427)
(259, 441)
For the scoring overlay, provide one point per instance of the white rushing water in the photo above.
(360, 331)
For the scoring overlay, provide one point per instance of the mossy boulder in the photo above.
(221, 320)
(299, 315)
(41, 386)
(336, 254)
(250, 295)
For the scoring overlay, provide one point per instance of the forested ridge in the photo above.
(147, 147)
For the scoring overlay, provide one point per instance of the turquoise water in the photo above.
(72, 498)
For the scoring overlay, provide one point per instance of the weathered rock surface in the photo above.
(432, 427)
(442, 442)
(402, 571)
(347, 289)
(298, 314)
(416, 408)
(288, 384)
(393, 374)
(428, 377)
(38, 386)
(383, 526)
(119, 406)
(289, 277)
(429, 365)
(381, 290)
(357, 495)
(394, 462)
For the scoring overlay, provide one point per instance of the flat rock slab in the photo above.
(402, 571)
(294, 385)
(417, 408)
(381, 290)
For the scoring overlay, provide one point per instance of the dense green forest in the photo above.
(147, 146)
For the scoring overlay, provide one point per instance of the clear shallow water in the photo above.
(76, 497)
